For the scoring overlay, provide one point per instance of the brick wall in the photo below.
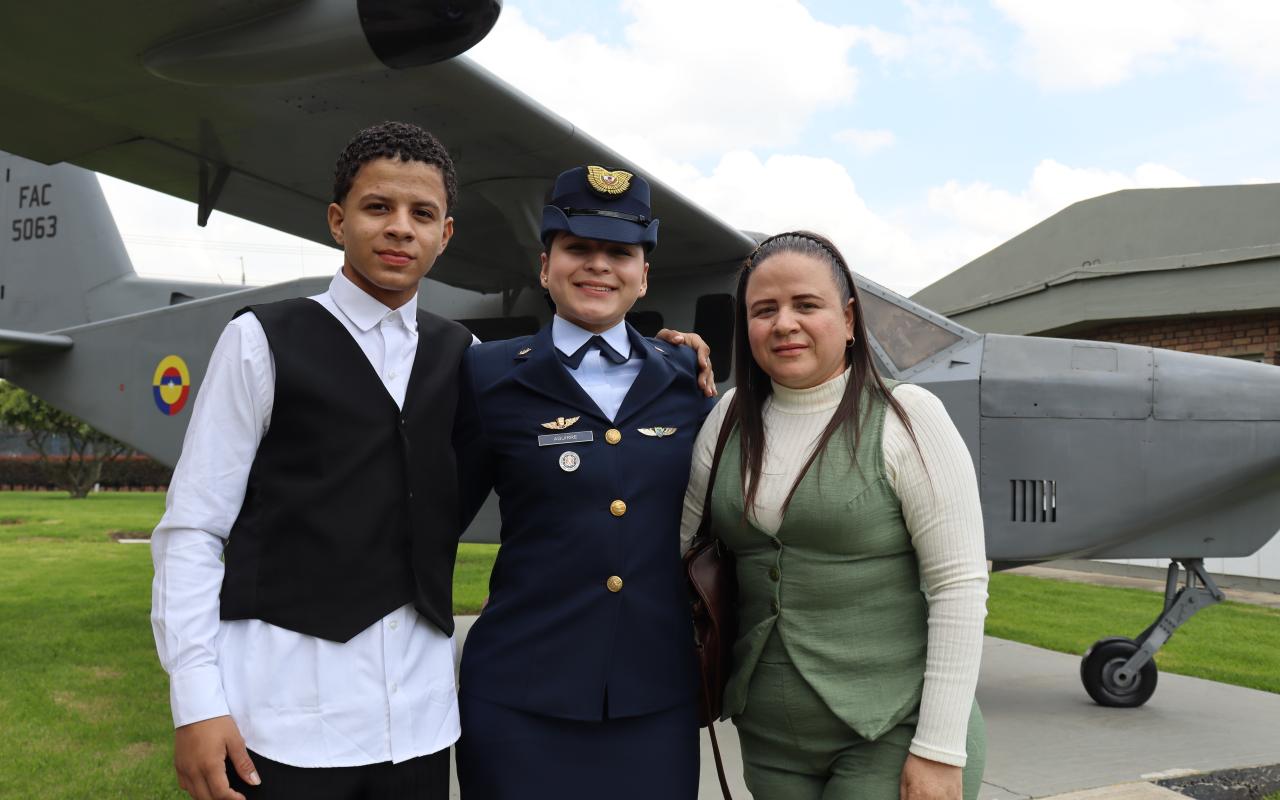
(1238, 335)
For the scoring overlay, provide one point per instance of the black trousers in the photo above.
(422, 778)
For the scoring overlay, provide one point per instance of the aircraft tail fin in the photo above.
(59, 245)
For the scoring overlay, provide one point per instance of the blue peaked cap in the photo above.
(595, 203)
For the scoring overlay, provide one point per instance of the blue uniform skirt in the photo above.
(507, 754)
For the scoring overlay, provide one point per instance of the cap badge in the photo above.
(609, 182)
(560, 423)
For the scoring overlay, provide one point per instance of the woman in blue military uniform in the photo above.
(579, 677)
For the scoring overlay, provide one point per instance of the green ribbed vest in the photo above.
(839, 584)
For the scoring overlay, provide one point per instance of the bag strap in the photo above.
(715, 745)
(704, 530)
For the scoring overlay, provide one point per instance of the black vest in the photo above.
(351, 509)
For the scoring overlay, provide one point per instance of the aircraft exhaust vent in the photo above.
(1034, 501)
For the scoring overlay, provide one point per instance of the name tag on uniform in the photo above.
(548, 439)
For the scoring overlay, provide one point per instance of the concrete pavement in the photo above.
(1046, 737)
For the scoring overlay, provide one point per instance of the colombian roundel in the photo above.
(171, 385)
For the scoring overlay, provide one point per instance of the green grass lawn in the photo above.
(83, 701)
(84, 704)
(52, 516)
(1230, 642)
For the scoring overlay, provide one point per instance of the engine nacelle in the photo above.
(318, 38)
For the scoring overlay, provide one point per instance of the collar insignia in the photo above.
(657, 431)
(610, 183)
(560, 423)
(526, 351)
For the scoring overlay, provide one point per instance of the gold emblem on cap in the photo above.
(657, 431)
(609, 182)
(613, 436)
(560, 423)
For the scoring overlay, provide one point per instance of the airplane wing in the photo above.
(161, 95)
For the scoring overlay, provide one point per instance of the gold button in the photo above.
(613, 436)
(614, 584)
(617, 508)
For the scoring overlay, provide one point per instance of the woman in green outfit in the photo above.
(851, 505)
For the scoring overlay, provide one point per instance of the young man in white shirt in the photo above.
(302, 596)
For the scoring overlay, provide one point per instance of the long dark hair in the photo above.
(754, 387)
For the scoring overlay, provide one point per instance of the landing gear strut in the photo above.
(1120, 672)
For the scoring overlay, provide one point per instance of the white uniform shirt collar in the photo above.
(364, 310)
(569, 337)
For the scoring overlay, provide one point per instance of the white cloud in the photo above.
(786, 192)
(884, 45)
(163, 241)
(750, 72)
(1088, 44)
(937, 37)
(976, 216)
(865, 142)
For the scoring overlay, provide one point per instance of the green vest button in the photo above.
(773, 607)
(774, 574)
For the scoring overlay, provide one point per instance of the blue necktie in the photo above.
(574, 361)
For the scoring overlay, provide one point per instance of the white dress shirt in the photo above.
(604, 382)
(387, 694)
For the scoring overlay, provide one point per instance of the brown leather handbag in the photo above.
(713, 589)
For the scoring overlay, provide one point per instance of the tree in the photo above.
(43, 426)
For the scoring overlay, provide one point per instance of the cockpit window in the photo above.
(905, 337)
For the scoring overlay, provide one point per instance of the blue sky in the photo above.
(917, 134)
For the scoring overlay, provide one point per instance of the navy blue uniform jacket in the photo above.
(554, 640)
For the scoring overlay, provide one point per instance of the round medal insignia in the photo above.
(569, 461)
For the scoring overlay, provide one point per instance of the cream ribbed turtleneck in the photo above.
(939, 496)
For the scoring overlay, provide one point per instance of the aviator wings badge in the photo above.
(560, 423)
(657, 431)
(609, 182)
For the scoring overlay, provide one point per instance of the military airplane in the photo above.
(1082, 449)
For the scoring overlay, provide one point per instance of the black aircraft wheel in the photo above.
(1098, 669)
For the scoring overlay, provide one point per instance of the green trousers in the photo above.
(794, 748)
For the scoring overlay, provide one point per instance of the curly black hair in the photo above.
(402, 140)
